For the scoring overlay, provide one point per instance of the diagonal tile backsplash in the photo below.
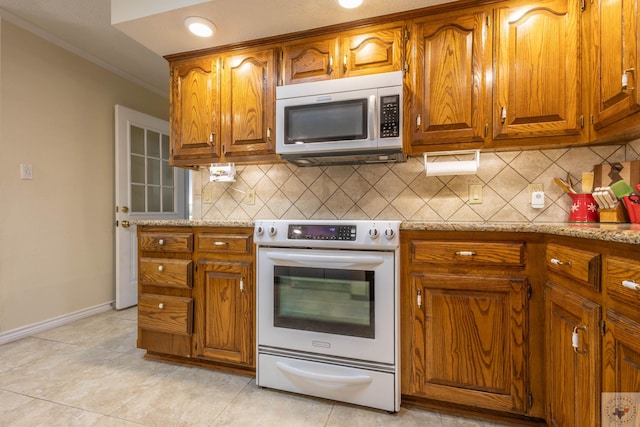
(403, 191)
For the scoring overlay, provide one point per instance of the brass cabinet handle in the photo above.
(219, 243)
(465, 253)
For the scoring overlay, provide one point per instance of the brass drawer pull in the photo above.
(558, 262)
(465, 253)
(630, 284)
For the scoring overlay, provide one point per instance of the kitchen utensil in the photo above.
(597, 195)
(638, 187)
(569, 182)
(587, 182)
(564, 186)
(610, 197)
(621, 189)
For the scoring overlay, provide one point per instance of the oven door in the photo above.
(333, 302)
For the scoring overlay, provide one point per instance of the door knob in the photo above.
(125, 224)
(124, 209)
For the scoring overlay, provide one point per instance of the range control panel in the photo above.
(322, 232)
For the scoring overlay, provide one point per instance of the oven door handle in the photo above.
(308, 260)
(336, 379)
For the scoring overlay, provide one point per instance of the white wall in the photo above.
(56, 231)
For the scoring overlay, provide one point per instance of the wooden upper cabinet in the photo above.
(248, 82)
(450, 101)
(376, 49)
(194, 110)
(615, 33)
(309, 60)
(538, 74)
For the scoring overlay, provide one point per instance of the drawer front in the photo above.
(474, 253)
(165, 313)
(165, 242)
(584, 266)
(177, 273)
(623, 281)
(225, 243)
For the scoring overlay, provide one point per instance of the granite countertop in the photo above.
(623, 233)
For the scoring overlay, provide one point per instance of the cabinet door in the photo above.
(538, 80)
(615, 31)
(469, 335)
(621, 358)
(194, 111)
(377, 50)
(224, 304)
(310, 60)
(450, 100)
(572, 376)
(247, 103)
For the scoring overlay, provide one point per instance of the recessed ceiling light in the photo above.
(199, 26)
(350, 4)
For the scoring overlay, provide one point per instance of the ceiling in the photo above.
(130, 37)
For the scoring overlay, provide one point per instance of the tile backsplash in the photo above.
(403, 191)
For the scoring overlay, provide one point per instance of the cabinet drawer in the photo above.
(584, 266)
(166, 242)
(225, 243)
(176, 273)
(165, 313)
(621, 272)
(476, 253)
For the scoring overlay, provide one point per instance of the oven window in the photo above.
(329, 121)
(325, 300)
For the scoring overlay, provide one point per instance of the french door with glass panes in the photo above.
(147, 187)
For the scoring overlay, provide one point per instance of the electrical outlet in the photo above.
(475, 194)
(26, 171)
(535, 187)
(250, 198)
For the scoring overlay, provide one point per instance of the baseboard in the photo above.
(26, 331)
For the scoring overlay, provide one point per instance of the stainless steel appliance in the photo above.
(341, 121)
(327, 310)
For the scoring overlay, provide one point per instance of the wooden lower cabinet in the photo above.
(572, 354)
(469, 340)
(224, 308)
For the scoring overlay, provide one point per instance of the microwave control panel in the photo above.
(390, 116)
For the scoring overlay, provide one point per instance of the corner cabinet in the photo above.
(223, 107)
(450, 104)
(615, 40)
(538, 73)
(196, 295)
(466, 325)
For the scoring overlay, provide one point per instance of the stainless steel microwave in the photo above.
(342, 121)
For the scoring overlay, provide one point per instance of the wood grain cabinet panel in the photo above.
(621, 355)
(583, 266)
(470, 335)
(165, 242)
(450, 100)
(224, 304)
(469, 253)
(378, 49)
(572, 377)
(165, 313)
(176, 273)
(538, 79)
(225, 243)
(616, 38)
(310, 60)
(195, 111)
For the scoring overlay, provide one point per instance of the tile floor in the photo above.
(89, 373)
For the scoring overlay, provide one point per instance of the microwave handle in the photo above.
(373, 117)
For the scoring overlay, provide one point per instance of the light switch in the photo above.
(475, 194)
(26, 171)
